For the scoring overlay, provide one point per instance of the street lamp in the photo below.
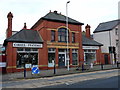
(67, 35)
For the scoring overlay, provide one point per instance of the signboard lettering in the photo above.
(32, 45)
(90, 47)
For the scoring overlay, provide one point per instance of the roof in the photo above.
(90, 42)
(28, 36)
(107, 26)
(54, 16)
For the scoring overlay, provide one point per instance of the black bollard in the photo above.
(54, 68)
(24, 71)
(101, 66)
(82, 67)
(117, 64)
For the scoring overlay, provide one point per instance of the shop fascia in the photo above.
(30, 45)
(91, 47)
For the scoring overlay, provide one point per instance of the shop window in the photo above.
(25, 57)
(74, 57)
(20, 49)
(51, 50)
(52, 35)
(89, 56)
(51, 57)
(62, 35)
(73, 37)
(34, 49)
(27, 49)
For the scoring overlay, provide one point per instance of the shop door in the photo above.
(106, 59)
(61, 62)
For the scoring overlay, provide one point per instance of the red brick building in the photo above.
(46, 43)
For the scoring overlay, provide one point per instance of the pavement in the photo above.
(69, 79)
(50, 73)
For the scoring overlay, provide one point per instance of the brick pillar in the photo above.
(9, 59)
(56, 57)
(56, 36)
(70, 37)
(70, 56)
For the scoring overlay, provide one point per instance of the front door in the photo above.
(106, 59)
(61, 62)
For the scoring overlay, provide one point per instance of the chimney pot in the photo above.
(10, 15)
(25, 27)
(87, 26)
(55, 12)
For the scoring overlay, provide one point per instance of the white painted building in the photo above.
(119, 32)
(107, 34)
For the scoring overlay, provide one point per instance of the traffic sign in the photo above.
(35, 70)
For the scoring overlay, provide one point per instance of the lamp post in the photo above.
(67, 35)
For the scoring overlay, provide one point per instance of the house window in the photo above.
(117, 41)
(26, 55)
(73, 37)
(52, 35)
(74, 57)
(116, 31)
(62, 35)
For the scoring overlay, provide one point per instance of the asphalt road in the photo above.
(111, 82)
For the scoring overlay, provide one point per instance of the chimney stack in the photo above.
(87, 28)
(9, 29)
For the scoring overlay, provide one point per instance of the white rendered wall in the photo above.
(103, 38)
(107, 38)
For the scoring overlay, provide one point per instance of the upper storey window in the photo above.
(73, 37)
(62, 35)
(52, 36)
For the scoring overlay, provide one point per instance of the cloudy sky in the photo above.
(90, 12)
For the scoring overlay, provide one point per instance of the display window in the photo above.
(51, 57)
(74, 57)
(27, 56)
(89, 56)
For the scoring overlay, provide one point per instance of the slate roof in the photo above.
(107, 26)
(54, 16)
(27, 36)
(89, 42)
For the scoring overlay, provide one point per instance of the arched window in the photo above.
(62, 35)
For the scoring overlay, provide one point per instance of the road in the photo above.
(111, 82)
(67, 80)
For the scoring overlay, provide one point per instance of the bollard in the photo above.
(117, 65)
(24, 71)
(101, 66)
(82, 67)
(54, 68)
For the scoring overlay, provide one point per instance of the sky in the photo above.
(90, 12)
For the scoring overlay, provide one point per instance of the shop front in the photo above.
(90, 54)
(23, 50)
(62, 61)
